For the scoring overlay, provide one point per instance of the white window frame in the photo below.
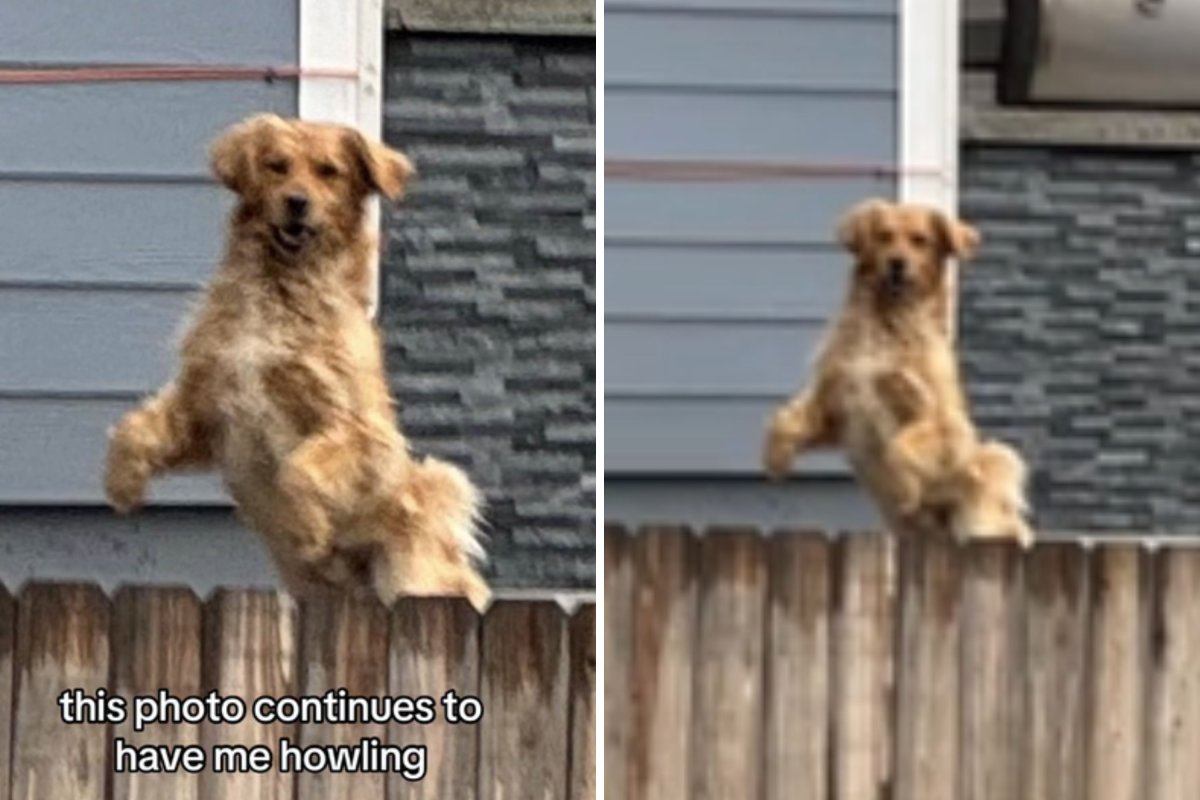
(928, 108)
(343, 35)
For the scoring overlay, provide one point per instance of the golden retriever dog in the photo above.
(281, 383)
(886, 386)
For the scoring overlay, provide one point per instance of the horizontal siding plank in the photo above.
(696, 437)
(723, 283)
(150, 32)
(132, 129)
(791, 212)
(746, 359)
(807, 127)
(134, 232)
(54, 453)
(88, 341)
(839, 8)
(805, 50)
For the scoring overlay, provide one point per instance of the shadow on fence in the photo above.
(531, 664)
(802, 667)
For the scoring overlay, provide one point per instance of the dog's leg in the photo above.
(160, 435)
(802, 423)
(315, 480)
(912, 459)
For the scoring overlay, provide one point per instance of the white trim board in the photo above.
(341, 35)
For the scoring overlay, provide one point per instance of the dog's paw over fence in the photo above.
(531, 664)
(797, 666)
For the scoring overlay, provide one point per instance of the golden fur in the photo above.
(281, 383)
(886, 386)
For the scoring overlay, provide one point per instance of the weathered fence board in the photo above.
(8, 622)
(342, 645)
(524, 732)
(1115, 702)
(582, 781)
(930, 575)
(434, 649)
(865, 667)
(660, 689)
(618, 665)
(726, 729)
(156, 645)
(797, 669)
(1056, 667)
(62, 644)
(1174, 745)
(532, 666)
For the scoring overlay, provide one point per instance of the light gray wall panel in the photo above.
(684, 359)
(692, 436)
(114, 233)
(723, 283)
(126, 128)
(817, 128)
(832, 504)
(54, 453)
(787, 212)
(150, 31)
(733, 49)
(88, 341)
(764, 8)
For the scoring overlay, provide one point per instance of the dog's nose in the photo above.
(896, 268)
(297, 205)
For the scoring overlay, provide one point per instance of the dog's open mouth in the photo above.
(292, 237)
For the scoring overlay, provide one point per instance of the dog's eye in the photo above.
(327, 170)
(886, 237)
(919, 240)
(278, 165)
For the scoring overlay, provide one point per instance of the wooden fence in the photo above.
(531, 664)
(802, 667)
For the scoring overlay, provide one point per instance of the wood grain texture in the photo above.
(435, 648)
(581, 783)
(618, 661)
(727, 711)
(1056, 673)
(8, 640)
(62, 644)
(863, 655)
(1173, 746)
(249, 652)
(930, 575)
(990, 686)
(156, 645)
(1115, 699)
(797, 677)
(663, 624)
(525, 675)
(343, 645)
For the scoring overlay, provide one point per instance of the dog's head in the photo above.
(900, 250)
(303, 184)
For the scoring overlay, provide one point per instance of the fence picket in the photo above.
(1056, 671)
(927, 758)
(249, 651)
(62, 644)
(8, 636)
(663, 627)
(156, 644)
(343, 642)
(582, 780)
(863, 653)
(1115, 700)
(524, 730)
(435, 648)
(797, 667)
(618, 663)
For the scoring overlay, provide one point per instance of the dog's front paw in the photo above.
(125, 487)
(778, 451)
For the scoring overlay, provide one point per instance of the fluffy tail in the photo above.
(447, 505)
(993, 501)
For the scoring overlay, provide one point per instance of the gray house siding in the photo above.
(717, 290)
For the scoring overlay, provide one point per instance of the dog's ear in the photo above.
(385, 170)
(857, 226)
(957, 238)
(232, 153)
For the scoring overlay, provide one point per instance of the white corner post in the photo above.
(344, 36)
(928, 111)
